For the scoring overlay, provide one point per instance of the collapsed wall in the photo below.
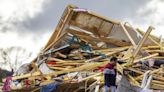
(82, 44)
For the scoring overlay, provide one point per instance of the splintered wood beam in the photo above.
(24, 76)
(154, 41)
(155, 51)
(129, 36)
(158, 82)
(155, 76)
(68, 64)
(152, 36)
(147, 57)
(150, 47)
(119, 68)
(141, 42)
(128, 54)
(58, 68)
(157, 86)
(159, 57)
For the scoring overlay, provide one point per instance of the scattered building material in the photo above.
(82, 45)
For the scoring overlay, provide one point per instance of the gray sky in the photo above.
(29, 23)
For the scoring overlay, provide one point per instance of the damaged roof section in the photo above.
(82, 44)
(84, 23)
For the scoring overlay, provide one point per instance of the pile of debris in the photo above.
(82, 43)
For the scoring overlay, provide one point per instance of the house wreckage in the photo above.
(82, 43)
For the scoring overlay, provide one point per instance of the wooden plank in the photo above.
(89, 77)
(150, 47)
(119, 68)
(128, 35)
(159, 57)
(154, 41)
(128, 54)
(68, 64)
(158, 82)
(141, 42)
(147, 57)
(152, 36)
(133, 81)
(58, 68)
(24, 76)
(157, 86)
(155, 51)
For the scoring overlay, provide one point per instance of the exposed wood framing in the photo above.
(155, 42)
(128, 35)
(141, 42)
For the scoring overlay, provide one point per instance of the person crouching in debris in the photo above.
(110, 75)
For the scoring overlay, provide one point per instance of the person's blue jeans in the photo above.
(112, 88)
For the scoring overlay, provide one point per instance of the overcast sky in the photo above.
(29, 23)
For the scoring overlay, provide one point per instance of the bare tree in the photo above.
(13, 57)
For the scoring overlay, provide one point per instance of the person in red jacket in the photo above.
(110, 75)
